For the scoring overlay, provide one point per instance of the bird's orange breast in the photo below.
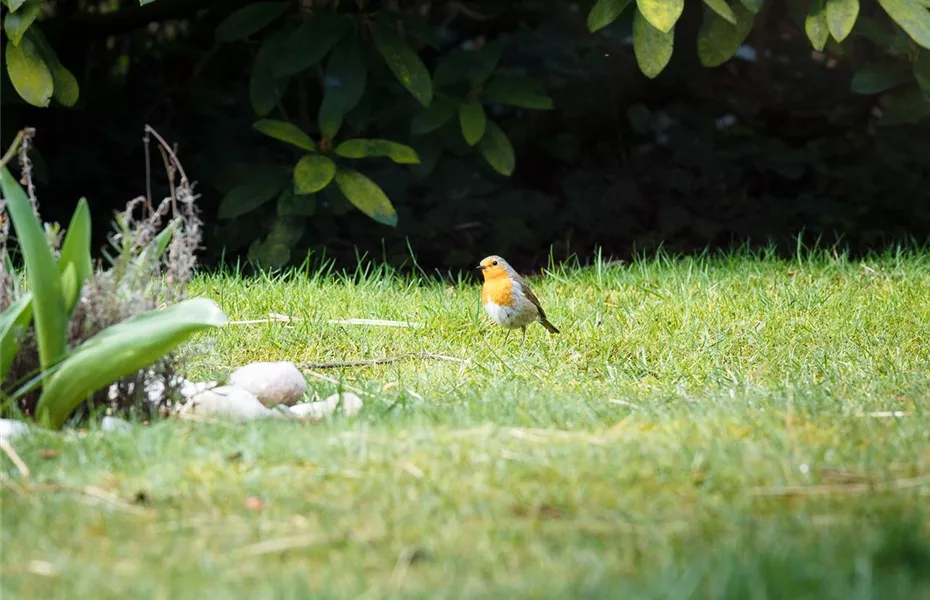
(498, 290)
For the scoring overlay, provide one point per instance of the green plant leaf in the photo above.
(486, 60)
(16, 23)
(312, 173)
(28, 73)
(66, 90)
(262, 185)
(496, 149)
(74, 261)
(365, 148)
(517, 90)
(652, 47)
(366, 196)
(908, 106)
(120, 350)
(265, 88)
(248, 20)
(719, 40)
(13, 323)
(472, 121)
(605, 12)
(291, 204)
(404, 63)
(754, 6)
(815, 25)
(722, 8)
(344, 84)
(922, 72)
(841, 17)
(14, 5)
(311, 42)
(285, 132)
(156, 248)
(51, 320)
(873, 79)
(416, 25)
(912, 17)
(435, 115)
(661, 14)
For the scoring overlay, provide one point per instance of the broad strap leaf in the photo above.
(496, 149)
(718, 40)
(366, 196)
(815, 25)
(285, 132)
(312, 173)
(404, 63)
(605, 12)
(652, 47)
(372, 148)
(30, 76)
(472, 120)
(661, 14)
(912, 16)
(248, 20)
(517, 90)
(74, 261)
(841, 17)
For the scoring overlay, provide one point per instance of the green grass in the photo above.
(650, 451)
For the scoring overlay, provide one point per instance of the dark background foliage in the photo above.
(768, 145)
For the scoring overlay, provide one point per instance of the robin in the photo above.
(507, 299)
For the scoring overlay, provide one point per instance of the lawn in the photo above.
(735, 426)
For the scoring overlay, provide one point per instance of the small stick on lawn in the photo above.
(14, 458)
(377, 361)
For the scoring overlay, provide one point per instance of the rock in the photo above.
(226, 401)
(272, 383)
(351, 405)
(10, 428)
(114, 424)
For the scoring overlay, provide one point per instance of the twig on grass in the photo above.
(14, 457)
(856, 488)
(377, 361)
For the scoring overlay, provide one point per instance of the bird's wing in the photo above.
(530, 295)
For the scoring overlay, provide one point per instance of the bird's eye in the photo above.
(494, 263)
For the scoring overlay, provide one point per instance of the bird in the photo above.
(507, 298)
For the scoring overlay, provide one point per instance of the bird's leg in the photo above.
(507, 337)
(524, 335)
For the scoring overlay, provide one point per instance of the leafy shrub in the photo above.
(68, 331)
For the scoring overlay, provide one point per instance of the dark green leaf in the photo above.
(874, 31)
(435, 115)
(48, 304)
(13, 323)
(841, 17)
(661, 14)
(873, 79)
(66, 90)
(922, 72)
(74, 261)
(263, 184)
(912, 17)
(815, 25)
(414, 24)
(517, 90)
(285, 132)
(722, 8)
(16, 23)
(486, 59)
(363, 148)
(652, 47)
(909, 106)
(605, 12)
(296, 205)
(312, 173)
(265, 88)
(28, 73)
(496, 149)
(719, 40)
(14, 5)
(344, 84)
(472, 121)
(754, 6)
(366, 196)
(248, 20)
(310, 42)
(404, 63)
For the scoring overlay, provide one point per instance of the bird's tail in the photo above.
(549, 326)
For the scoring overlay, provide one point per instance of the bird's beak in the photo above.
(481, 267)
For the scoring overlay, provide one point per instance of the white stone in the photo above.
(351, 405)
(226, 401)
(10, 428)
(272, 383)
(114, 424)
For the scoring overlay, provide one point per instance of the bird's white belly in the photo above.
(520, 314)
